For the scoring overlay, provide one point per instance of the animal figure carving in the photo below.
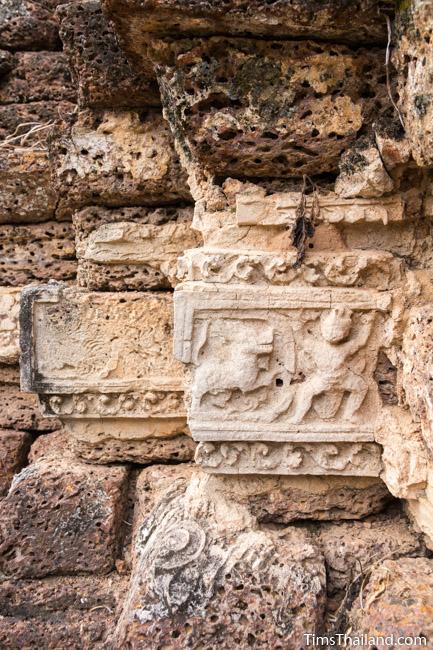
(233, 356)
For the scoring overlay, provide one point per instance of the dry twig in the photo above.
(304, 226)
(388, 78)
(17, 139)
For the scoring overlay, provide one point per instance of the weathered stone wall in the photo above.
(215, 246)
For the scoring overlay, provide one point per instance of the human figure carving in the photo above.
(331, 355)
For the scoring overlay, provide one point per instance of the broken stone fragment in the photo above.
(37, 77)
(358, 22)
(417, 369)
(37, 252)
(27, 193)
(50, 445)
(131, 248)
(408, 241)
(104, 76)
(394, 150)
(350, 548)
(213, 576)
(405, 457)
(116, 159)
(59, 612)
(283, 499)
(14, 446)
(228, 122)
(397, 602)
(9, 326)
(420, 511)
(61, 517)
(363, 174)
(29, 25)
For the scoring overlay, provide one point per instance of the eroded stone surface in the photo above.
(28, 25)
(350, 548)
(73, 612)
(405, 457)
(14, 446)
(131, 249)
(209, 571)
(418, 369)
(420, 511)
(414, 60)
(103, 75)
(105, 448)
(27, 192)
(9, 328)
(284, 499)
(21, 411)
(115, 159)
(37, 252)
(363, 174)
(13, 116)
(357, 22)
(50, 445)
(397, 601)
(138, 357)
(36, 77)
(61, 517)
(217, 97)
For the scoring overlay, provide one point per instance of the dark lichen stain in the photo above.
(352, 162)
(422, 102)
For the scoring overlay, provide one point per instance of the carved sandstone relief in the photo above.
(251, 241)
(103, 364)
(375, 269)
(289, 366)
(131, 248)
(255, 209)
(204, 557)
(9, 329)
